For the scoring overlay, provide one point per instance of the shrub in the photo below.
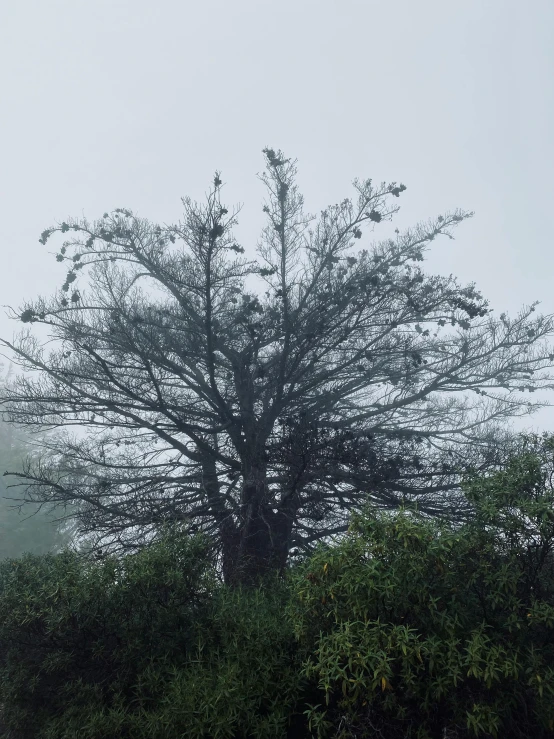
(421, 628)
(150, 646)
(74, 635)
(406, 628)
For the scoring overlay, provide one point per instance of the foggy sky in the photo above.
(134, 104)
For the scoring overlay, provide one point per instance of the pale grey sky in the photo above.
(128, 103)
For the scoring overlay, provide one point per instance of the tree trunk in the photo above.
(264, 536)
(260, 543)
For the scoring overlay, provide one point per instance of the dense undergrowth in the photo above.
(405, 628)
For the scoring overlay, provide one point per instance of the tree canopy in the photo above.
(263, 420)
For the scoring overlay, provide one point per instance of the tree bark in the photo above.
(264, 535)
(259, 543)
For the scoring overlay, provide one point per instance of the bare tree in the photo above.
(263, 420)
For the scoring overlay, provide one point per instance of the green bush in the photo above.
(150, 646)
(245, 680)
(405, 628)
(74, 636)
(420, 627)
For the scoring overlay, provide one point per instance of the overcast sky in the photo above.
(129, 103)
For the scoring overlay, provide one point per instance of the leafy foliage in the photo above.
(75, 635)
(147, 646)
(405, 628)
(422, 627)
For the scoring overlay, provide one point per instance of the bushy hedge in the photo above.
(420, 627)
(405, 628)
(74, 636)
(147, 647)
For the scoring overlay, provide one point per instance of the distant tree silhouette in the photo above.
(25, 527)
